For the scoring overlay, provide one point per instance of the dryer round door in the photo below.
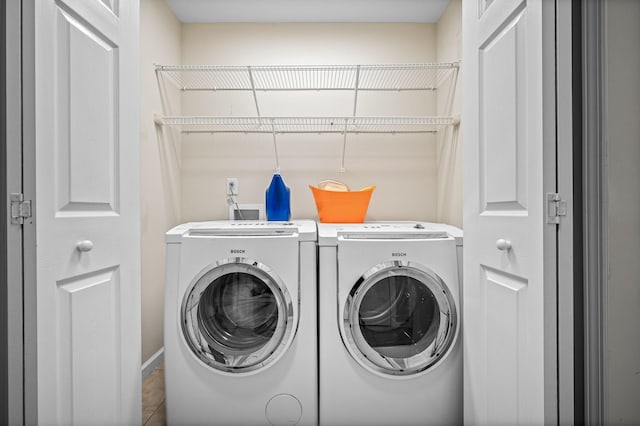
(400, 319)
(238, 316)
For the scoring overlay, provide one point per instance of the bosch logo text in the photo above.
(237, 251)
(399, 254)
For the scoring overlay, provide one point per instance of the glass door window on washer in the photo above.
(400, 319)
(238, 316)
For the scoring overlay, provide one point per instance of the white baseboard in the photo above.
(153, 361)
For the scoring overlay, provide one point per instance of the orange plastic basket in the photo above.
(342, 206)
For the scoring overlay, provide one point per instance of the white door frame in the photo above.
(30, 347)
(566, 314)
(594, 195)
(4, 304)
(14, 184)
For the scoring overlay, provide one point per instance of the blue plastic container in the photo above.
(278, 200)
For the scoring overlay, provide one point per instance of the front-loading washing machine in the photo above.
(241, 323)
(389, 321)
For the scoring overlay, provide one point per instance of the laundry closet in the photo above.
(118, 145)
(416, 167)
(109, 145)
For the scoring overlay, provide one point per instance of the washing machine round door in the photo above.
(238, 316)
(400, 319)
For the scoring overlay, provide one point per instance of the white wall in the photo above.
(622, 175)
(449, 148)
(160, 176)
(403, 167)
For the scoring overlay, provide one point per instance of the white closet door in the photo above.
(87, 212)
(509, 249)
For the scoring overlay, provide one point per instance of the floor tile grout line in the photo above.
(155, 410)
(145, 384)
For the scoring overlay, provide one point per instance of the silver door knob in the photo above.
(84, 245)
(503, 244)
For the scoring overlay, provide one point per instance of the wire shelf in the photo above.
(395, 77)
(354, 78)
(278, 125)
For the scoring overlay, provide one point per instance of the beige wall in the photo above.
(449, 146)
(410, 182)
(160, 190)
(622, 177)
(403, 166)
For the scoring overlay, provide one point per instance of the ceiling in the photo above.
(264, 11)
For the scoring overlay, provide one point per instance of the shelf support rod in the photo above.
(355, 91)
(253, 90)
(344, 145)
(275, 146)
(346, 122)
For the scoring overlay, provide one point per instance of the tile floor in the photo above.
(153, 407)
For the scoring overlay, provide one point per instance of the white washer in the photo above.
(390, 347)
(241, 323)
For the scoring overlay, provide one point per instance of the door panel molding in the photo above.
(509, 328)
(87, 131)
(112, 6)
(88, 324)
(503, 164)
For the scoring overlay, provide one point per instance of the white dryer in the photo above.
(389, 321)
(241, 323)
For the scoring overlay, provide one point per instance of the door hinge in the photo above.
(20, 209)
(556, 207)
